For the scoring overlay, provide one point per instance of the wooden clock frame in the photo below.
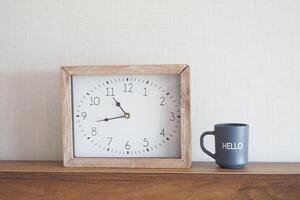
(67, 120)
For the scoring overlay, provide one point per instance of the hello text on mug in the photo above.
(232, 146)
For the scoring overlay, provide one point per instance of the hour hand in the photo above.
(118, 104)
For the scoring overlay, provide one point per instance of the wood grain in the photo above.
(185, 116)
(50, 180)
(124, 69)
(67, 120)
(66, 86)
(254, 168)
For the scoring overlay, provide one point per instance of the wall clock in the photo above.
(126, 116)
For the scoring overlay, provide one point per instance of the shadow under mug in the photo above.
(231, 144)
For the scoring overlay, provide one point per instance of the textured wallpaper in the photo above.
(244, 58)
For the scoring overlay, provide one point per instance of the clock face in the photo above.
(126, 115)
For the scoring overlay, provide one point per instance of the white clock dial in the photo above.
(126, 115)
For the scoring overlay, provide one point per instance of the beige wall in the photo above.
(244, 57)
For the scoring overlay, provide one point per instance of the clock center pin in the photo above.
(127, 115)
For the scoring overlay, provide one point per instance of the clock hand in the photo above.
(118, 104)
(107, 119)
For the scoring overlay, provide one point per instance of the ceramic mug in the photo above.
(231, 144)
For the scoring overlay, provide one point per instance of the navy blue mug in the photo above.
(231, 145)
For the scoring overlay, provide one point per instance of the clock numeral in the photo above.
(110, 92)
(162, 132)
(162, 103)
(172, 116)
(127, 146)
(95, 101)
(145, 92)
(146, 142)
(94, 131)
(84, 114)
(128, 87)
(109, 140)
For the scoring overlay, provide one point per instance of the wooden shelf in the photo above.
(50, 180)
(197, 168)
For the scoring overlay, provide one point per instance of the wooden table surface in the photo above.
(50, 180)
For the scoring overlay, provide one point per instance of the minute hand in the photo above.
(107, 119)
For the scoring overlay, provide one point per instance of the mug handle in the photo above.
(202, 143)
